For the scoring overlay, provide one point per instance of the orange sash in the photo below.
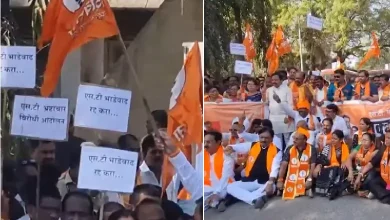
(323, 140)
(233, 140)
(386, 91)
(367, 89)
(207, 98)
(298, 171)
(385, 166)
(255, 152)
(333, 156)
(339, 94)
(362, 159)
(218, 166)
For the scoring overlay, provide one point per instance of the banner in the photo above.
(224, 113)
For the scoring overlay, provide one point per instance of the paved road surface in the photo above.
(345, 208)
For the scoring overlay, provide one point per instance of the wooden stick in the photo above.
(38, 190)
(140, 88)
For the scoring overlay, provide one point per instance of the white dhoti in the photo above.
(247, 191)
(208, 191)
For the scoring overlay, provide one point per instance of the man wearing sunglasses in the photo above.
(344, 90)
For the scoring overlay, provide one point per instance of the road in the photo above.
(347, 207)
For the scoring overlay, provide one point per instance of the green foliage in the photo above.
(225, 22)
(347, 30)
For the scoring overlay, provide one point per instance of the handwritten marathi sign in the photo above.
(38, 117)
(18, 67)
(107, 169)
(102, 108)
(237, 49)
(243, 67)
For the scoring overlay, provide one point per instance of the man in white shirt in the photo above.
(320, 96)
(339, 123)
(302, 113)
(277, 114)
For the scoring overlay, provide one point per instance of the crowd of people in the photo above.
(305, 147)
(44, 186)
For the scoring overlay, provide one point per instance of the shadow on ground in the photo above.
(345, 208)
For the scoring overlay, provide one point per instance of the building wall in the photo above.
(157, 55)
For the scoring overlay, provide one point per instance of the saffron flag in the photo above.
(185, 111)
(282, 44)
(69, 24)
(374, 51)
(279, 46)
(249, 44)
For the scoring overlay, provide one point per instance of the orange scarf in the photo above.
(207, 98)
(298, 171)
(362, 158)
(339, 94)
(385, 166)
(367, 89)
(386, 90)
(218, 166)
(323, 140)
(233, 140)
(255, 152)
(344, 155)
(298, 93)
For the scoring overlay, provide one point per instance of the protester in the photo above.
(260, 171)
(344, 90)
(218, 171)
(364, 89)
(325, 137)
(365, 126)
(384, 91)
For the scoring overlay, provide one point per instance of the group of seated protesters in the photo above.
(251, 164)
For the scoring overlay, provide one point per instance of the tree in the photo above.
(225, 22)
(347, 27)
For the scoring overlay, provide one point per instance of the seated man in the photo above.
(378, 183)
(297, 166)
(261, 169)
(218, 171)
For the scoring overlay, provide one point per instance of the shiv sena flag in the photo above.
(249, 44)
(185, 111)
(374, 51)
(69, 24)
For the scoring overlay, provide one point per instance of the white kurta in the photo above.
(276, 112)
(320, 95)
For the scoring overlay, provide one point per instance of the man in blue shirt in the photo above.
(344, 91)
(363, 85)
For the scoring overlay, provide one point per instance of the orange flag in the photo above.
(282, 43)
(185, 110)
(249, 44)
(69, 25)
(374, 51)
(272, 57)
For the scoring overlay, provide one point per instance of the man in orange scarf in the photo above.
(262, 166)
(385, 87)
(297, 167)
(379, 185)
(218, 171)
(300, 90)
(364, 89)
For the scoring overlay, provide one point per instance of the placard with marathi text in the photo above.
(102, 108)
(41, 118)
(107, 169)
(18, 67)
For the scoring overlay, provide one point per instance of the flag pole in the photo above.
(300, 43)
(140, 88)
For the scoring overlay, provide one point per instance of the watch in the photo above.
(309, 179)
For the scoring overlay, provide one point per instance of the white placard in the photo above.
(107, 169)
(243, 67)
(18, 67)
(102, 108)
(38, 117)
(314, 22)
(237, 49)
(386, 66)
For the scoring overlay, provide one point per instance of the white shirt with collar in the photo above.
(319, 96)
(297, 117)
(340, 124)
(276, 113)
(148, 177)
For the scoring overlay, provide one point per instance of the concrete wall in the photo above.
(157, 55)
